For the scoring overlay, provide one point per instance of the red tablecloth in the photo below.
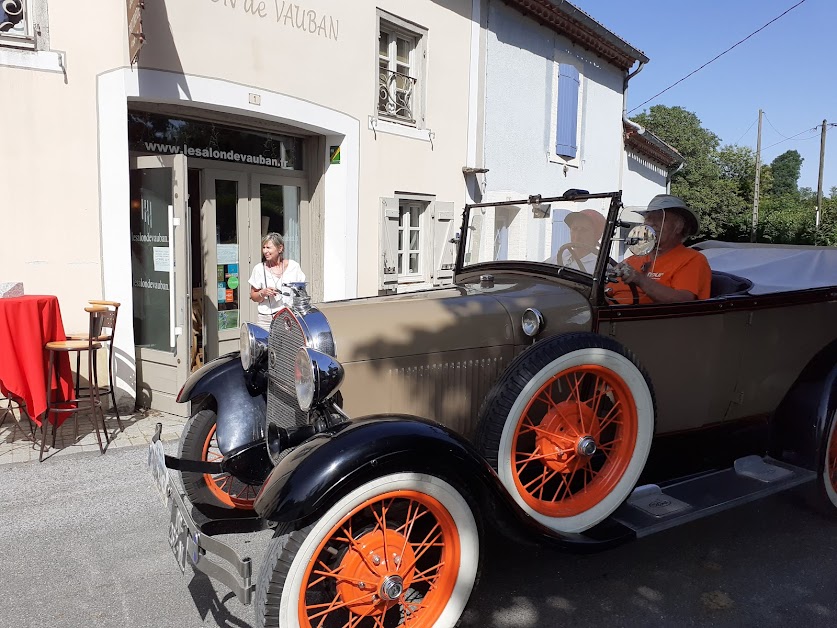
(27, 323)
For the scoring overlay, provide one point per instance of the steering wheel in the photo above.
(575, 249)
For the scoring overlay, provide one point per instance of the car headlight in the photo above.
(252, 344)
(531, 322)
(317, 377)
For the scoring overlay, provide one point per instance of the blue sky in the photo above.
(784, 70)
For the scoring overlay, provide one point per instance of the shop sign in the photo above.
(136, 38)
(287, 15)
(163, 135)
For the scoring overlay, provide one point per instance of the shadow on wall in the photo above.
(160, 52)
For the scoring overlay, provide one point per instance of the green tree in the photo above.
(738, 164)
(786, 168)
(707, 182)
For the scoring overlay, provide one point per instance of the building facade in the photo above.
(150, 181)
(553, 104)
(150, 146)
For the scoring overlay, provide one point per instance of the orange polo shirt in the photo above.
(680, 268)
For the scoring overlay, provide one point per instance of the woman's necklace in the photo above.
(277, 278)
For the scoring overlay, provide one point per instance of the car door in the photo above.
(692, 352)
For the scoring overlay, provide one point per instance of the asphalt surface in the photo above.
(83, 542)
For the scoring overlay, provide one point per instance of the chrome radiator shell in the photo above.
(289, 331)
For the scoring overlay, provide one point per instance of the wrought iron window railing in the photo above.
(395, 95)
(13, 19)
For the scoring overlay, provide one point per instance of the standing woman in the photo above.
(269, 277)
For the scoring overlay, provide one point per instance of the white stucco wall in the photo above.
(519, 107)
(66, 153)
(643, 179)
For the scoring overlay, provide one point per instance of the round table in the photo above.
(27, 323)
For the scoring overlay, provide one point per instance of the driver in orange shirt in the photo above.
(671, 273)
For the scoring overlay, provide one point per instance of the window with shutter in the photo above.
(390, 219)
(401, 64)
(444, 243)
(569, 82)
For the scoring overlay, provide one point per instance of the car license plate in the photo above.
(178, 530)
(157, 467)
(178, 534)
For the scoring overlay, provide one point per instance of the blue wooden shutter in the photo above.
(567, 123)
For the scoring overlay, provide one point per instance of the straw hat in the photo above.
(674, 203)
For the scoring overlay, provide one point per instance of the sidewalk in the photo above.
(16, 447)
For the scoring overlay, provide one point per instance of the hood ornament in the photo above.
(302, 301)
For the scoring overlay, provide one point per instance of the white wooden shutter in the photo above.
(388, 269)
(444, 249)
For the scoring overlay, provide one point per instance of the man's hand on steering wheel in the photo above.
(629, 275)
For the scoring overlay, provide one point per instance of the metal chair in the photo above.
(7, 410)
(106, 338)
(99, 318)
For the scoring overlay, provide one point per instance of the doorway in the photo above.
(196, 233)
(235, 211)
(160, 271)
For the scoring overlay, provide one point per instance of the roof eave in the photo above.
(580, 28)
(651, 146)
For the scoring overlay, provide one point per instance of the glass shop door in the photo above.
(279, 204)
(226, 259)
(160, 269)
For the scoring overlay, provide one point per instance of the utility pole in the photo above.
(819, 181)
(756, 186)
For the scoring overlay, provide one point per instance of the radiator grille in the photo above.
(285, 339)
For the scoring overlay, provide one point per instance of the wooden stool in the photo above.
(105, 336)
(99, 314)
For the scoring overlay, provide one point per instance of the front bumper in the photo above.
(189, 542)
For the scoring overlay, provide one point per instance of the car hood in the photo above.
(465, 316)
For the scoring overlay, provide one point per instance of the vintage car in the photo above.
(381, 437)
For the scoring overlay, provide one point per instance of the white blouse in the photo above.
(261, 277)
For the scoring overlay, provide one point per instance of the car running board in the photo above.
(652, 508)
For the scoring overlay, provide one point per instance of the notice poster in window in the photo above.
(227, 254)
(227, 319)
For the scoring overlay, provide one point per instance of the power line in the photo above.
(795, 136)
(747, 131)
(777, 130)
(718, 56)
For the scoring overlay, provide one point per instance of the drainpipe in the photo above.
(639, 129)
(671, 173)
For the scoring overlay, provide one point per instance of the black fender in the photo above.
(317, 473)
(799, 425)
(241, 412)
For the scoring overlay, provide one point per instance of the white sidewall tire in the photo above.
(632, 376)
(448, 496)
(830, 493)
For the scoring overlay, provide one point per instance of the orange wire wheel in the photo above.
(393, 560)
(403, 549)
(568, 427)
(228, 490)
(574, 441)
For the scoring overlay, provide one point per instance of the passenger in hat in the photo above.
(670, 273)
(586, 229)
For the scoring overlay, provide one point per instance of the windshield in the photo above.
(563, 233)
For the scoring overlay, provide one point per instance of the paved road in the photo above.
(82, 542)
